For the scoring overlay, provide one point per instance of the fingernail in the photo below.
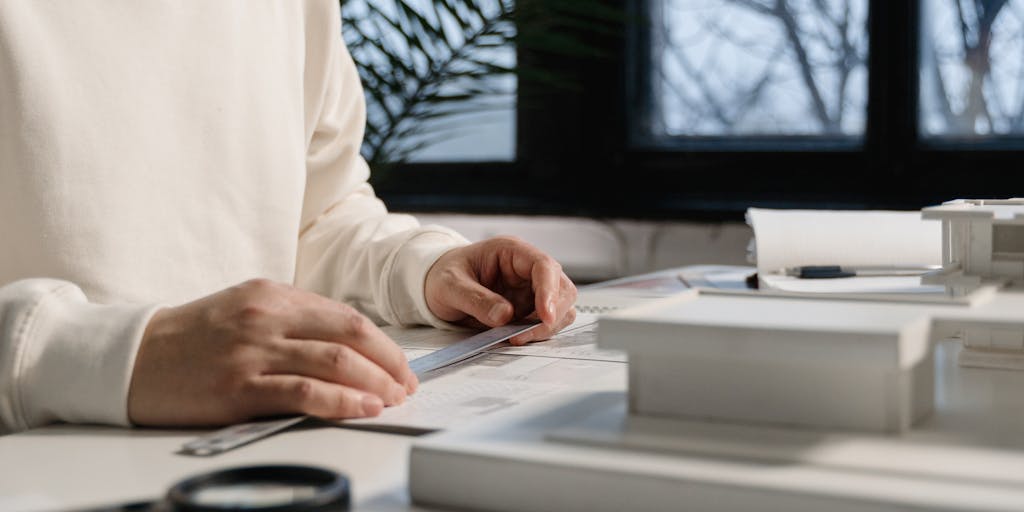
(371, 405)
(411, 383)
(497, 313)
(551, 308)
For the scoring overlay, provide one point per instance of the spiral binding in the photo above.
(595, 310)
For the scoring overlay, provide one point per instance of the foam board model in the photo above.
(983, 244)
(853, 365)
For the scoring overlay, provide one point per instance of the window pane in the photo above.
(437, 77)
(972, 68)
(758, 67)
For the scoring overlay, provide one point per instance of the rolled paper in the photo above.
(791, 238)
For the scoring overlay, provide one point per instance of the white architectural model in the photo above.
(718, 379)
(777, 359)
(983, 244)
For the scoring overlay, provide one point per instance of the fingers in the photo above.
(564, 311)
(337, 363)
(520, 262)
(565, 300)
(331, 321)
(294, 394)
(467, 295)
(545, 277)
(497, 280)
(543, 331)
(547, 281)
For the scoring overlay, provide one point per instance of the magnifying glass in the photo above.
(273, 488)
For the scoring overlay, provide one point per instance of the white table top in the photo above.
(62, 467)
(65, 466)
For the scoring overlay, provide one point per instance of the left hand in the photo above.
(493, 282)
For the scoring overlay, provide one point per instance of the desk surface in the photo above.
(64, 466)
(77, 466)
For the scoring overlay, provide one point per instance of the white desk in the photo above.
(78, 466)
(64, 466)
(61, 467)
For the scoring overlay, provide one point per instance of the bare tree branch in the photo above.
(964, 25)
(941, 94)
(755, 6)
(846, 62)
(807, 32)
(806, 71)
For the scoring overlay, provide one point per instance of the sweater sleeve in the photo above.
(63, 358)
(350, 248)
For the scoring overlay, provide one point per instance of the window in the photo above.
(972, 69)
(753, 68)
(428, 70)
(701, 108)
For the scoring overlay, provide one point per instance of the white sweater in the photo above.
(153, 152)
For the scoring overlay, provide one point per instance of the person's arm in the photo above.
(63, 358)
(350, 248)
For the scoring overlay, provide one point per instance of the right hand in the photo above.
(260, 349)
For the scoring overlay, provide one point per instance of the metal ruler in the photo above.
(245, 433)
(468, 347)
(236, 435)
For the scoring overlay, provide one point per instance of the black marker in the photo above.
(834, 271)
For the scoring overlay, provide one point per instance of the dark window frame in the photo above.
(575, 156)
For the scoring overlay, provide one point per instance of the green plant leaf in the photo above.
(423, 62)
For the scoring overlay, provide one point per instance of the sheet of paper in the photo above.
(722, 277)
(499, 378)
(886, 285)
(789, 238)
(578, 342)
(490, 383)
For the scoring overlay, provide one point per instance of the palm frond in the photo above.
(424, 61)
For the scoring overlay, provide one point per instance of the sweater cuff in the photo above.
(406, 299)
(78, 359)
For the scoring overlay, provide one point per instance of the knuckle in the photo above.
(510, 239)
(256, 312)
(340, 357)
(252, 319)
(258, 285)
(345, 308)
(301, 391)
(449, 275)
(358, 325)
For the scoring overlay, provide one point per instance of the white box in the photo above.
(784, 360)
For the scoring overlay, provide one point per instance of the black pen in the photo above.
(834, 271)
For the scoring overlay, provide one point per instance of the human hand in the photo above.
(492, 282)
(259, 349)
